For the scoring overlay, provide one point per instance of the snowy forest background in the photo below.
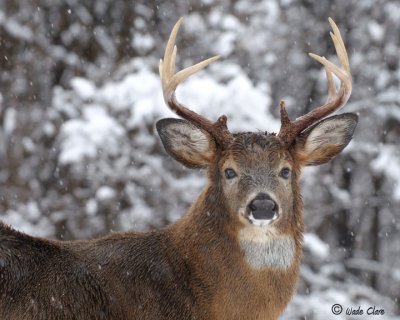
(80, 94)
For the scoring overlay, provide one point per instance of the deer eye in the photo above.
(285, 173)
(230, 173)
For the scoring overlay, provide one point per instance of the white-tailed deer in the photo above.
(234, 255)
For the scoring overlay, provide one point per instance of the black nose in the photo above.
(263, 207)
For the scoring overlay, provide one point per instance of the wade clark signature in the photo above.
(357, 311)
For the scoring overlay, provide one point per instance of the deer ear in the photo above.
(186, 143)
(324, 140)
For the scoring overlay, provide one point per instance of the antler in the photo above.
(170, 81)
(289, 130)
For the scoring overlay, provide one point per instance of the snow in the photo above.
(387, 163)
(28, 218)
(15, 28)
(124, 94)
(143, 42)
(106, 193)
(316, 246)
(83, 87)
(376, 31)
(226, 44)
(239, 99)
(10, 121)
(392, 11)
(91, 207)
(85, 138)
(76, 145)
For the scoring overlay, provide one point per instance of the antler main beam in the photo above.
(290, 129)
(170, 81)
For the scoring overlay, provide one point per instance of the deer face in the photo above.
(256, 178)
(257, 174)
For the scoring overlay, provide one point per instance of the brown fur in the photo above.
(194, 269)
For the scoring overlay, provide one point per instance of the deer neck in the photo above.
(243, 275)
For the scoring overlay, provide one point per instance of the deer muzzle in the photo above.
(262, 210)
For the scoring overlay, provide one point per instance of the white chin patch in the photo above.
(268, 251)
(261, 222)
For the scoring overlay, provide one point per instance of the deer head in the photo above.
(258, 173)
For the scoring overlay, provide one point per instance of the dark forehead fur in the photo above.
(255, 141)
(257, 149)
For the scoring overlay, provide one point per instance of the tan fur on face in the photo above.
(258, 166)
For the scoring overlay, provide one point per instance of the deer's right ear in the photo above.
(186, 143)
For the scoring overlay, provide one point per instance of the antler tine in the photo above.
(170, 81)
(289, 130)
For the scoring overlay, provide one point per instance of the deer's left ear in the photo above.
(186, 143)
(324, 140)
